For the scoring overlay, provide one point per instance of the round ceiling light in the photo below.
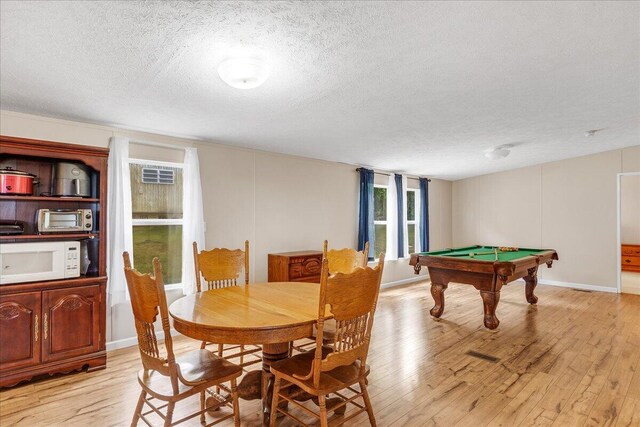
(243, 73)
(498, 152)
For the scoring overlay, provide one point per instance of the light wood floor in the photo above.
(571, 360)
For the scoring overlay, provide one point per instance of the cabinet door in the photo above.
(71, 322)
(20, 332)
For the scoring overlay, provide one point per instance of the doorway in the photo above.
(629, 233)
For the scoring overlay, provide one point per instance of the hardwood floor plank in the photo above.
(629, 413)
(608, 405)
(523, 402)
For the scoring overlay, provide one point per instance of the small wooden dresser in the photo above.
(299, 266)
(630, 257)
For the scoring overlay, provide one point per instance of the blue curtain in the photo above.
(401, 218)
(424, 214)
(365, 217)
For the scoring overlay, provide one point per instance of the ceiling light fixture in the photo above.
(499, 152)
(243, 72)
(592, 132)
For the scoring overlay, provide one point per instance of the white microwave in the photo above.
(38, 261)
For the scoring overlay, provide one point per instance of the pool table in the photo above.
(478, 266)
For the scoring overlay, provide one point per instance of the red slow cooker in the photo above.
(16, 182)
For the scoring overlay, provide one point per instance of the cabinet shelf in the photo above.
(48, 199)
(60, 236)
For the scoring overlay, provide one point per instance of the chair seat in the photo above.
(330, 381)
(198, 367)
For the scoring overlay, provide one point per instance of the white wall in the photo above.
(569, 205)
(277, 202)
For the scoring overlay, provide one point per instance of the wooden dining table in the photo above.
(270, 314)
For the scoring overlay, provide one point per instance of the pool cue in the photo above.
(495, 250)
(472, 254)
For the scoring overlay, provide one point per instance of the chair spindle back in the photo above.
(220, 267)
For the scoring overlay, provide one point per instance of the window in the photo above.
(412, 235)
(379, 220)
(156, 202)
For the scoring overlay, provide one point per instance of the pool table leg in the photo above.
(437, 292)
(531, 281)
(490, 302)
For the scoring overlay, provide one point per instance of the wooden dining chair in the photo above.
(330, 369)
(167, 378)
(221, 268)
(345, 260)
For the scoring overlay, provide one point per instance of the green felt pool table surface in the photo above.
(465, 253)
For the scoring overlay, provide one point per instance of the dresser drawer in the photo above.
(631, 251)
(305, 268)
(295, 271)
(312, 267)
(631, 260)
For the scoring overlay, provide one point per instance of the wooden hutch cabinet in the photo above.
(53, 326)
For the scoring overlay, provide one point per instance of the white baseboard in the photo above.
(132, 341)
(403, 282)
(580, 286)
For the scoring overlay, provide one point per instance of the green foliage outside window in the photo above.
(162, 241)
(411, 205)
(411, 239)
(380, 214)
(380, 204)
(381, 239)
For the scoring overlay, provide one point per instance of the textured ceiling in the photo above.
(418, 87)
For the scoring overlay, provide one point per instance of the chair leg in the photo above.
(236, 407)
(169, 417)
(138, 411)
(220, 352)
(274, 401)
(367, 402)
(203, 400)
(322, 402)
(241, 355)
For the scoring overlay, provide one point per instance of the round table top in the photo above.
(258, 313)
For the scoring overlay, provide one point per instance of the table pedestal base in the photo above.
(270, 353)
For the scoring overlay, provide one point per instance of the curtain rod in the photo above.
(388, 174)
